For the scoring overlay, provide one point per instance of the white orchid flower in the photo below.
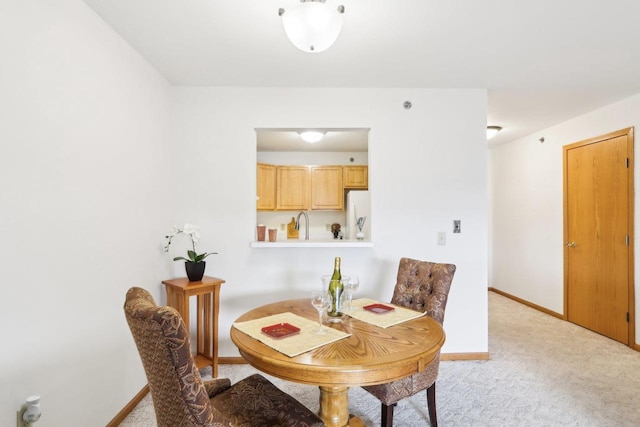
(172, 233)
(190, 229)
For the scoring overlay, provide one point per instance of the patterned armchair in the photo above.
(422, 286)
(181, 398)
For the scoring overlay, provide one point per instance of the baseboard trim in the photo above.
(115, 422)
(464, 356)
(528, 304)
(443, 356)
(231, 361)
(633, 346)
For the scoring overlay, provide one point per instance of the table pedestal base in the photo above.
(356, 422)
(334, 408)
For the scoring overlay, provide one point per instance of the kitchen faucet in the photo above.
(306, 217)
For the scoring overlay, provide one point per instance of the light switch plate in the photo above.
(442, 238)
(457, 224)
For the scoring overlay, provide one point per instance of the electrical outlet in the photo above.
(442, 238)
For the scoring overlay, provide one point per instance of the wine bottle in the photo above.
(335, 290)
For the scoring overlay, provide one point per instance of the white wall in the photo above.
(526, 204)
(312, 158)
(95, 169)
(428, 167)
(85, 199)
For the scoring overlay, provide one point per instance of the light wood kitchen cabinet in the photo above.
(299, 187)
(266, 187)
(292, 188)
(326, 188)
(355, 176)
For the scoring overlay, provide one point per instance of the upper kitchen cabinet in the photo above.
(355, 177)
(326, 188)
(266, 187)
(292, 188)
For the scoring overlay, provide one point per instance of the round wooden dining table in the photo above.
(370, 355)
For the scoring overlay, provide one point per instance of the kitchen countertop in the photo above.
(314, 243)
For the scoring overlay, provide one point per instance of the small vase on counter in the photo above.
(360, 224)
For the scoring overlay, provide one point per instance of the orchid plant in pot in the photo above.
(194, 264)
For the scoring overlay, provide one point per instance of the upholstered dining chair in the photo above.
(181, 398)
(422, 286)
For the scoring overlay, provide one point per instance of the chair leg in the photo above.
(431, 402)
(386, 420)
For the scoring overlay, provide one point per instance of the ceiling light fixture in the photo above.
(311, 136)
(492, 131)
(313, 25)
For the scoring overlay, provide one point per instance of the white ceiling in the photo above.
(334, 140)
(542, 61)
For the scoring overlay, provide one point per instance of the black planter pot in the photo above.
(195, 270)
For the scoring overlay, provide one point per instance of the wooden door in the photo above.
(598, 178)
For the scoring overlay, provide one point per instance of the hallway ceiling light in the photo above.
(311, 136)
(313, 25)
(492, 131)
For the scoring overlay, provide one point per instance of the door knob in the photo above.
(571, 244)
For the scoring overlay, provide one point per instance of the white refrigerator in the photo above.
(358, 206)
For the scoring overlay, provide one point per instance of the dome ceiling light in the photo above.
(313, 25)
(312, 136)
(493, 131)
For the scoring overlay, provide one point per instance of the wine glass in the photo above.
(351, 286)
(321, 300)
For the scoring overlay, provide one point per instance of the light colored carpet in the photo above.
(543, 372)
